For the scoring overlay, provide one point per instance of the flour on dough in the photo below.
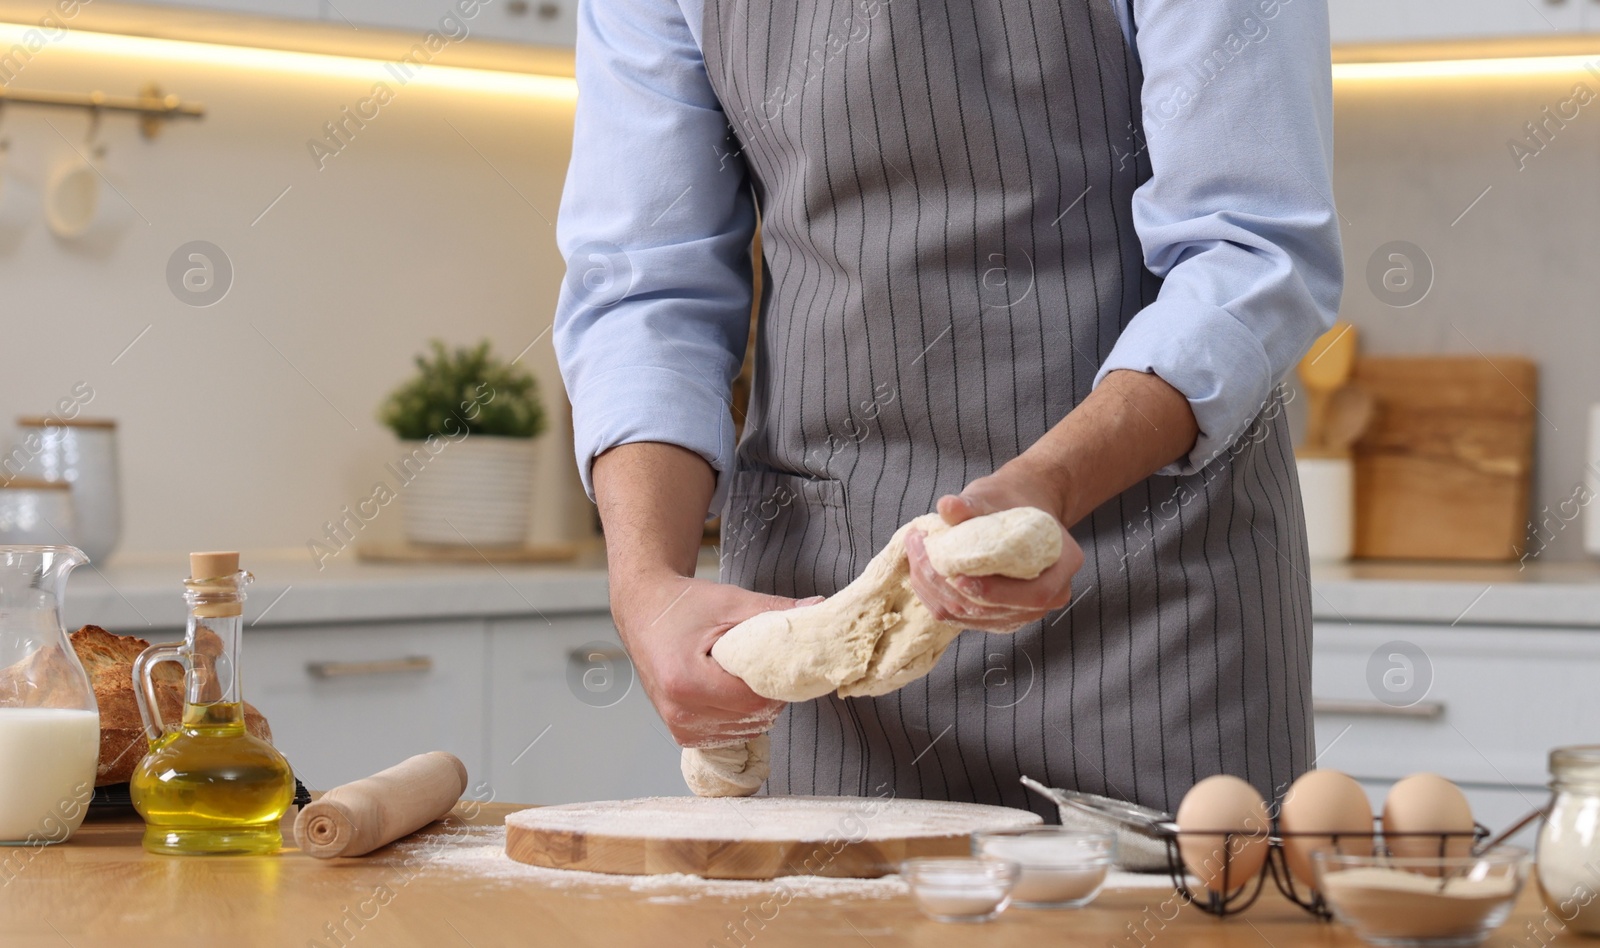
(874, 635)
(1020, 543)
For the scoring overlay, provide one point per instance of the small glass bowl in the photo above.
(1061, 868)
(960, 888)
(1422, 902)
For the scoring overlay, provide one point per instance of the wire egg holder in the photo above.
(1160, 827)
(1233, 899)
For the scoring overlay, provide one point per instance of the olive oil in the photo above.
(210, 787)
(207, 786)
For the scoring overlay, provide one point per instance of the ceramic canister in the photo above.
(1327, 486)
(1591, 516)
(83, 453)
(34, 511)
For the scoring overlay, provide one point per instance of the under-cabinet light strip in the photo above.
(1467, 68)
(251, 57)
(565, 88)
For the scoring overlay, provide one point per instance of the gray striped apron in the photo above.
(945, 193)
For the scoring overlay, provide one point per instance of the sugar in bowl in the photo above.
(960, 888)
(1059, 867)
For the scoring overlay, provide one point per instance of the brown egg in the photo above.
(1427, 803)
(1211, 810)
(1324, 801)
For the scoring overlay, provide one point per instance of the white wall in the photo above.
(1515, 274)
(410, 233)
(406, 234)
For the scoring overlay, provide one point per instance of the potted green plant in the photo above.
(466, 423)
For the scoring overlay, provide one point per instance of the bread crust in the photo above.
(108, 658)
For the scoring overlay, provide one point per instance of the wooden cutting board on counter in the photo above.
(1444, 471)
(750, 837)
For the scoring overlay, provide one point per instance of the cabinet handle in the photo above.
(384, 666)
(1425, 710)
(588, 656)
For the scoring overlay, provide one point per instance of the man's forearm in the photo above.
(652, 499)
(1132, 425)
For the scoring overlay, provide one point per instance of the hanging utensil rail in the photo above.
(152, 107)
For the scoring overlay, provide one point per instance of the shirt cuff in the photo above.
(649, 403)
(1209, 356)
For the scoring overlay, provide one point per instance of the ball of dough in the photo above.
(738, 770)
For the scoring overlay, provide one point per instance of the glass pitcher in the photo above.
(49, 723)
(207, 785)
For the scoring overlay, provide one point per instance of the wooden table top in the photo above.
(102, 888)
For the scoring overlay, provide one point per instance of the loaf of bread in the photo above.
(45, 679)
(109, 659)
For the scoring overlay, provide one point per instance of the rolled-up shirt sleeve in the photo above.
(656, 222)
(1237, 216)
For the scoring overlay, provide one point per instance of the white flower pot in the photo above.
(477, 491)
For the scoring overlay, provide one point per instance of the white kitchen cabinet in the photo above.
(347, 701)
(568, 720)
(541, 22)
(414, 15)
(1481, 705)
(290, 9)
(532, 22)
(546, 22)
(1371, 21)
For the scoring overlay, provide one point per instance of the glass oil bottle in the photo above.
(207, 786)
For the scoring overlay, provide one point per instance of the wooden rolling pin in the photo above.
(374, 811)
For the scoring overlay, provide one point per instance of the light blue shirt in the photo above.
(1237, 217)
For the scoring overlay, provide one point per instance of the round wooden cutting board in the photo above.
(750, 837)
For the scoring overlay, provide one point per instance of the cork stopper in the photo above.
(219, 600)
(213, 565)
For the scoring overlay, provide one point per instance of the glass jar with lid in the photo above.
(1569, 844)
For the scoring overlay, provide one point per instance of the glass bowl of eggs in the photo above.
(1422, 901)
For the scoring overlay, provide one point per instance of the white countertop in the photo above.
(291, 590)
(1542, 594)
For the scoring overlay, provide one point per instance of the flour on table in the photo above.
(485, 860)
(479, 852)
(783, 819)
(1123, 879)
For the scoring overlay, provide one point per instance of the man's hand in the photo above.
(995, 603)
(670, 627)
(1130, 426)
